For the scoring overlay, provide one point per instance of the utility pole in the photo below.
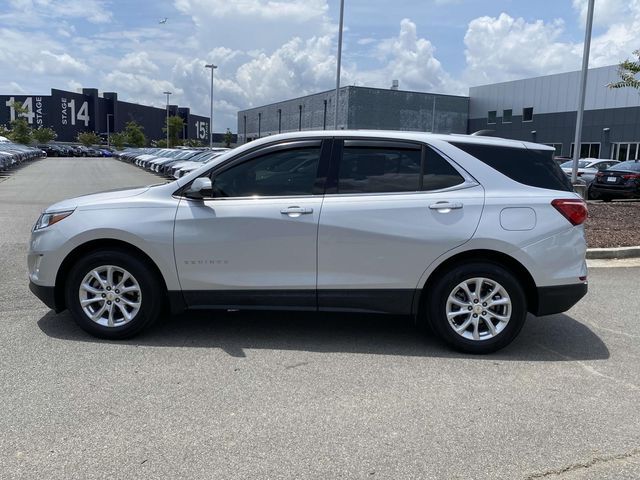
(581, 95)
(167, 94)
(339, 60)
(212, 67)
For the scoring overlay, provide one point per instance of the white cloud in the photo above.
(137, 62)
(58, 64)
(408, 58)
(505, 48)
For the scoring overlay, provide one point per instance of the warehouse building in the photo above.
(359, 108)
(541, 109)
(70, 113)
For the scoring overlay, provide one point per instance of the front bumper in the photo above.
(45, 294)
(559, 298)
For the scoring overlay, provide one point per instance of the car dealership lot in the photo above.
(294, 395)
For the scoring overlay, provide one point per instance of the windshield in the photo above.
(631, 165)
(581, 164)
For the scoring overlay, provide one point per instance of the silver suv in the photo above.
(465, 234)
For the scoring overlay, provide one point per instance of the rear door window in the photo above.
(377, 168)
(535, 168)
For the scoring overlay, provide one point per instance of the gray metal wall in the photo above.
(623, 125)
(378, 109)
(552, 94)
(368, 108)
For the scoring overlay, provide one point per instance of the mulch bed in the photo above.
(613, 224)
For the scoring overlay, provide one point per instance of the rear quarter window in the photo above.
(535, 168)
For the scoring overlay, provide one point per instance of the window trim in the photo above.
(489, 116)
(510, 117)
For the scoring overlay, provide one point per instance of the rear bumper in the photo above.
(558, 299)
(626, 192)
(45, 294)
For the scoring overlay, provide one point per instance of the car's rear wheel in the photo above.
(477, 307)
(605, 198)
(112, 294)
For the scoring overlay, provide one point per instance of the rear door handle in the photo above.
(445, 207)
(296, 211)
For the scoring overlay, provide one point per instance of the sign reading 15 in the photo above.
(201, 129)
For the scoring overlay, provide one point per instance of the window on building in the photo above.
(625, 151)
(506, 116)
(588, 150)
(492, 117)
(557, 146)
(527, 114)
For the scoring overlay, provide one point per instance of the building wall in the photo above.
(312, 112)
(379, 109)
(552, 93)
(360, 108)
(70, 113)
(611, 115)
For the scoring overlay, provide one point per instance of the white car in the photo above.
(587, 168)
(464, 233)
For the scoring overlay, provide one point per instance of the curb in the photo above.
(610, 253)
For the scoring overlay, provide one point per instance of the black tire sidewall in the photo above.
(436, 306)
(150, 287)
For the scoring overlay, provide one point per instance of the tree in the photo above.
(190, 142)
(627, 72)
(135, 134)
(228, 138)
(118, 140)
(162, 143)
(20, 130)
(89, 138)
(175, 125)
(44, 135)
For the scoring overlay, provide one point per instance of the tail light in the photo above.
(599, 174)
(632, 176)
(572, 209)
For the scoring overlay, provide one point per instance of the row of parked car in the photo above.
(607, 179)
(60, 150)
(13, 154)
(170, 162)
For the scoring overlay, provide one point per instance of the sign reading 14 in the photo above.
(69, 110)
(30, 113)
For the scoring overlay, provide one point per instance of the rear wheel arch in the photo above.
(94, 246)
(489, 256)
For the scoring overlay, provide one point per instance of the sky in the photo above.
(271, 50)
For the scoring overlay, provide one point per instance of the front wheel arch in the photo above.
(93, 246)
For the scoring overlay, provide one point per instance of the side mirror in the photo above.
(200, 188)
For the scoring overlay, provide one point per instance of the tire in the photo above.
(507, 316)
(135, 305)
(591, 195)
(605, 198)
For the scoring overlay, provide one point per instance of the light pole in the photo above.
(339, 59)
(583, 88)
(108, 130)
(167, 126)
(212, 67)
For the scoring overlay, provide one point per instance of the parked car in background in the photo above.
(14, 154)
(622, 180)
(465, 234)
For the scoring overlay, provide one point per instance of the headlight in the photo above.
(49, 218)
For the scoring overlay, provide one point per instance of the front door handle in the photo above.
(296, 211)
(445, 207)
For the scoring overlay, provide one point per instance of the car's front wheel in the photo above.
(477, 307)
(112, 294)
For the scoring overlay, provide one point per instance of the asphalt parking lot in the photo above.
(247, 395)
